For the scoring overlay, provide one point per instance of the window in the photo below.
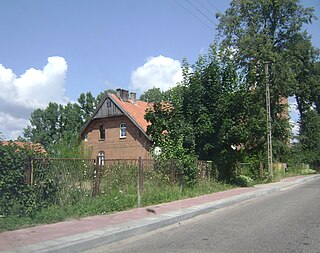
(101, 158)
(108, 103)
(123, 130)
(102, 133)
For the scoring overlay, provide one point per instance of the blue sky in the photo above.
(52, 50)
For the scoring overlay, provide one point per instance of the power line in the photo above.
(204, 8)
(201, 12)
(208, 26)
(213, 6)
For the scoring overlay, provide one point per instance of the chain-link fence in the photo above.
(69, 181)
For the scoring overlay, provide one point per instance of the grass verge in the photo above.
(110, 202)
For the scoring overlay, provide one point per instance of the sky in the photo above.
(53, 50)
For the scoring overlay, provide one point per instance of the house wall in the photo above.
(135, 145)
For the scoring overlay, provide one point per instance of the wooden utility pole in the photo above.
(269, 136)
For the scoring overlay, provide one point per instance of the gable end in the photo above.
(108, 109)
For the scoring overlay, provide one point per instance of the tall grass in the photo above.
(118, 191)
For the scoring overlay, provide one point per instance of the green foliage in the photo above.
(152, 95)
(310, 138)
(87, 104)
(54, 124)
(208, 114)
(308, 171)
(270, 32)
(16, 197)
(243, 181)
(57, 126)
(71, 181)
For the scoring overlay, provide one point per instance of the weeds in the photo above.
(114, 201)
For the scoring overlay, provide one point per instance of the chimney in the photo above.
(123, 95)
(118, 93)
(133, 97)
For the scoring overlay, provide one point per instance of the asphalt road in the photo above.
(285, 221)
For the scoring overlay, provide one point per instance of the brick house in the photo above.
(117, 128)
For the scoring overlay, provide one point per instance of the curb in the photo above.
(85, 241)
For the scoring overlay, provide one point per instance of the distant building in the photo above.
(36, 147)
(117, 128)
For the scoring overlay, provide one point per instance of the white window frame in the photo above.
(101, 156)
(123, 131)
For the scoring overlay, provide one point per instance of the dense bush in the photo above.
(307, 171)
(16, 197)
(243, 181)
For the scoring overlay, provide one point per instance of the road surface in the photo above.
(285, 221)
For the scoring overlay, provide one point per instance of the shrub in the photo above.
(243, 181)
(307, 172)
(16, 197)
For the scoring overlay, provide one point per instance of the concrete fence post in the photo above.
(27, 170)
(172, 176)
(140, 180)
(96, 178)
(261, 169)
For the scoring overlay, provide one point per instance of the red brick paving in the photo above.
(23, 237)
(28, 236)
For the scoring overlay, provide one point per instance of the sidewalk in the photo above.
(86, 233)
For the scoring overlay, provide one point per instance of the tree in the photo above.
(102, 94)
(55, 124)
(208, 114)
(156, 95)
(45, 125)
(310, 137)
(263, 32)
(87, 104)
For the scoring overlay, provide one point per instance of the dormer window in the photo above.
(102, 133)
(123, 130)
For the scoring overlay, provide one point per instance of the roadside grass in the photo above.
(112, 201)
(120, 194)
(280, 174)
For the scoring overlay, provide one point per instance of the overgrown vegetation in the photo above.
(63, 188)
(216, 113)
(16, 197)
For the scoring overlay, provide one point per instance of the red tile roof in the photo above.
(29, 145)
(136, 110)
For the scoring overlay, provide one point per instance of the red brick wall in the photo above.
(135, 145)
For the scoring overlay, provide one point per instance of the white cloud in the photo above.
(161, 72)
(19, 96)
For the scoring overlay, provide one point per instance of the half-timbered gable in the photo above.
(117, 128)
